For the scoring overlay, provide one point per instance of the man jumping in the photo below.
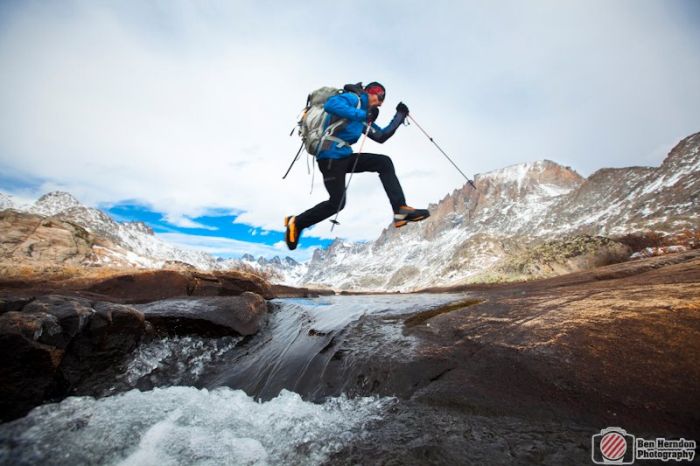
(335, 159)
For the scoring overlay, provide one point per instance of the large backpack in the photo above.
(312, 124)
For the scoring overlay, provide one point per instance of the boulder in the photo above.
(229, 283)
(154, 285)
(111, 333)
(52, 342)
(13, 304)
(212, 316)
(28, 369)
(71, 316)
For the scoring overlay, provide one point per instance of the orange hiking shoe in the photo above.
(291, 236)
(407, 214)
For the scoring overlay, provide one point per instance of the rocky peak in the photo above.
(496, 192)
(683, 159)
(54, 203)
(279, 262)
(335, 248)
(290, 261)
(141, 227)
(274, 261)
(542, 177)
(94, 220)
(317, 255)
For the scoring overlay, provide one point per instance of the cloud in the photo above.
(185, 222)
(186, 106)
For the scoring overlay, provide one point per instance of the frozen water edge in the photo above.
(180, 359)
(187, 426)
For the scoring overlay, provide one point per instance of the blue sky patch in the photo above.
(216, 225)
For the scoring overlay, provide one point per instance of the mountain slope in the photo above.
(472, 233)
(129, 244)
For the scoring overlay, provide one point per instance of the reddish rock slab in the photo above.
(144, 287)
(137, 287)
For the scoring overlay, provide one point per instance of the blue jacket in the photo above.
(345, 106)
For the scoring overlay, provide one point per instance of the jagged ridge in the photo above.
(471, 231)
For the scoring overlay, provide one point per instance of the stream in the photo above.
(312, 383)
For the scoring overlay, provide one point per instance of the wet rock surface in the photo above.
(53, 342)
(526, 373)
(522, 373)
(418, 434)
(215, 316)
(54, 345)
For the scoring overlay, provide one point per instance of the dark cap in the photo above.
(376, 88)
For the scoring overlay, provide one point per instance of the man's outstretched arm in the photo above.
(379, 134)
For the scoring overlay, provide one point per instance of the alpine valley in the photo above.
(122, 349)
(525, 221)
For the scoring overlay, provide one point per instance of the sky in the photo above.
(178, 113)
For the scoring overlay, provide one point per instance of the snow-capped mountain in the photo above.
(467, 238)
(134, 243)
(471, 231)
(280, 270)
(139, 246)
(54, 203)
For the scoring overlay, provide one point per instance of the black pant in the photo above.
(334, 171)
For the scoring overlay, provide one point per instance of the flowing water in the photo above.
(278, 397)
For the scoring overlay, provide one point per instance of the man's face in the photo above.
(373, 100)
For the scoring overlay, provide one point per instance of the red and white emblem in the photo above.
(613, 446)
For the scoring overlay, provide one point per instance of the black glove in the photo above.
(401, 108)
(372, 114)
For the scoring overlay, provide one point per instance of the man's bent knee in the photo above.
(385, 164)
(337, 204)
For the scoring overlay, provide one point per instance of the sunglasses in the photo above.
(376, 90)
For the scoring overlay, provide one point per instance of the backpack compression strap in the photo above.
(328, 134)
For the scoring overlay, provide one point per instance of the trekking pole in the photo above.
(335, 221)
(440, 149)
(294, 160)
(298, 125)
